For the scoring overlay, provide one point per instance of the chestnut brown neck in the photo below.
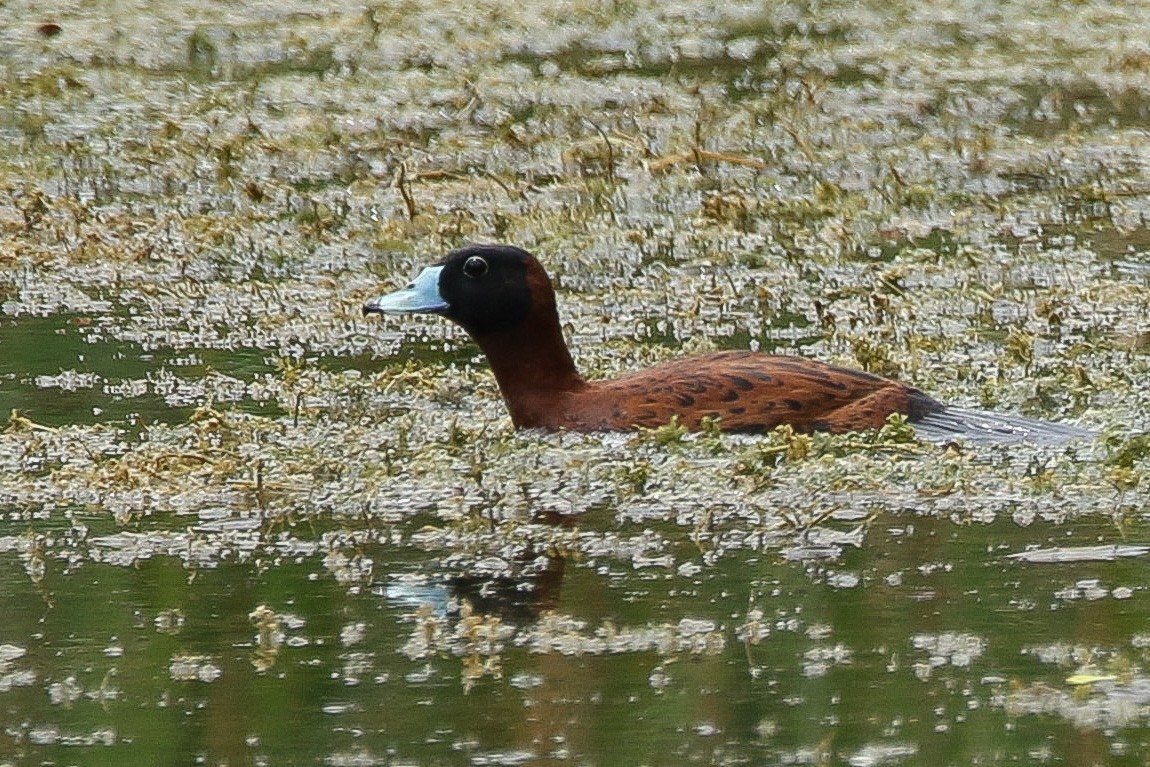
(532, 365)
(532, 355)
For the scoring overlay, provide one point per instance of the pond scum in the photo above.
(958, 199)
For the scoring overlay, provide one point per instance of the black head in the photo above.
(502, 297)
(484, 288)
(487, 287)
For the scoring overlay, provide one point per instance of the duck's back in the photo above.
(746, 392)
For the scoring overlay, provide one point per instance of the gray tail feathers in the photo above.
(982, 427)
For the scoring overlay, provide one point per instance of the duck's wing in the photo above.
(750, 392)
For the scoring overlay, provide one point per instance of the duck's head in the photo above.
(484, 288)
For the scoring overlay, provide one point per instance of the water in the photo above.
(918, 641)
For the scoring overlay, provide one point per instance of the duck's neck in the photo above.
(532, 366)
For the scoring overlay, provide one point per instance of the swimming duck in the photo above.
(503, 298)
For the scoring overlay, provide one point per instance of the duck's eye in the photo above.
(475, 267)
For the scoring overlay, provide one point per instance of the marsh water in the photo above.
(242, 524)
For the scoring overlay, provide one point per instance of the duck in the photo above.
(503, 298)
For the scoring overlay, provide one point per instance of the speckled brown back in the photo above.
(747, 392)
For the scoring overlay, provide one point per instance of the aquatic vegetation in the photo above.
(220, 484)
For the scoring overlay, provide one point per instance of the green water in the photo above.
(847, 668)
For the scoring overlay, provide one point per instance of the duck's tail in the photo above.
(982, 427)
